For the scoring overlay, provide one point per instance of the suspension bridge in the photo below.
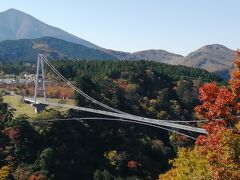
(108, 113)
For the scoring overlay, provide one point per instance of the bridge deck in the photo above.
(124, 116)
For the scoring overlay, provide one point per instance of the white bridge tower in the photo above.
(40, 85)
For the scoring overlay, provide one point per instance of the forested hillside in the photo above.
(143, 88)
(100, 69)
(53, 48)
(96, 149)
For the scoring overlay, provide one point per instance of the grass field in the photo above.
(23, 108)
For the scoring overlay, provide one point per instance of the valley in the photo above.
(72, 109)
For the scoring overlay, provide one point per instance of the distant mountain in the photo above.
(160, 56)
(152, 55)
(27, 50)
(15, 24)
(213, 58)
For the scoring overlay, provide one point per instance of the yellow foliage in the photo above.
(162, 114)
(217, 159)
(4, 172)
(153, 102)
(131, 88)
(230, 156)
(238, 125)
(189, 165)
(112, 156)
(151, 109)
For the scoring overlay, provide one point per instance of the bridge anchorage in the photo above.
(114, 114)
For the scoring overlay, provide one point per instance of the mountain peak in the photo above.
(13, 11)
(15, 24)
(212, 49)
(213, 57)
(216, 47)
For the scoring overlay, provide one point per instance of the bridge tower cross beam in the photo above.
(40, 79)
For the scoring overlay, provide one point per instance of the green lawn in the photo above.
(23, 108)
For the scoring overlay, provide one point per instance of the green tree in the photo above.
(102, 175)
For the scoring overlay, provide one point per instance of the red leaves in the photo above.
(221, 147)
(235, 76)
(218, 102)
(212, 139)
(132, 164)
(220, 106)
(208, 92)
(12, 133)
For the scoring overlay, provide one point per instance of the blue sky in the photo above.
(178, 26)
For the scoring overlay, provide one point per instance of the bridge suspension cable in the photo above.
(77, 89)
(112, 119)
(193, 121)
(89, 97)
(126, 116)
(113, 112)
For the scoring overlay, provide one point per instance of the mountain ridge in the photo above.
(15, 24)
(53, 48)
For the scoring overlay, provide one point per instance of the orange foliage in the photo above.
(221, 145)
(59, 91)
(218, 103)
(54, 90)
(37, 176)
(213, 139)
(221, 148)
(235, 76)
(122, 83)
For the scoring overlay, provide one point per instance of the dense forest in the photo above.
(17, 68)
(100, 150)
(100, 69)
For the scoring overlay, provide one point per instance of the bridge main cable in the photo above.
(116, 112)
(77, 89)
(128, 116)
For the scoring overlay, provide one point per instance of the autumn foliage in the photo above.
(221, 102)
(216, 155)
(4, 172)
(132, 164)
(218, 103)
(221, 148)
(37, 176)
(235, 76)
(12, 133)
